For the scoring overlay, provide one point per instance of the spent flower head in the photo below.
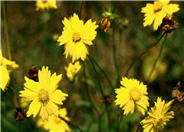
(157, 116)
(43, 95)
(156, 12)
(76, 36)
(132, 94)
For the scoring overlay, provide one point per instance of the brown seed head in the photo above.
(105, 24)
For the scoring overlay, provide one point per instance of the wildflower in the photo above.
(55, 123)
(43, 95)
(45, 4)
(6, 67)
(76, 35)
(156, 12)
(72, 70)
(158, 116)
(132, 94)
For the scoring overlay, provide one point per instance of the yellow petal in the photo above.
(34, 108)
(58, 97)
(31, 85)
(54, 81)
(4, 77)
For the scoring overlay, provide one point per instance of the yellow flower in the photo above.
(158, 116)
(132, 94)
(6, 67)
(56, 124)
(76, 35)
(72, 70)
(45, 4)
(43, 95)
(154, 13)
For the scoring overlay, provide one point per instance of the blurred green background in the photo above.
(32, 36)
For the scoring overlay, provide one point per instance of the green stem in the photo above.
(100, 88)
(87, 89)
(138, 127)
(114, 58)
(142, 54)
(154, 64)
(71, 125)
(6, 31)
(105, 75)
(142, 107)
(97, 77)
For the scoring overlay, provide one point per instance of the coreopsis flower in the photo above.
(76, 36)
(6, 67)
(43, 95)
(55, 123)
(155, 13)
(45, 4)
(132, 94)
(157, 116)
(72, 70)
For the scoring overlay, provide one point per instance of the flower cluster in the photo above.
(42, 96)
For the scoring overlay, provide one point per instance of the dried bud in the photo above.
(169, 24)
(105, 24)
(33, 73)
(108, 100)
(20, 114)
(178, 92)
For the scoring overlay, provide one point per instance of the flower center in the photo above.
(158, 122)
(135, 94)
(43, 96)
(157, 6)
(76, 37)
(57, 120)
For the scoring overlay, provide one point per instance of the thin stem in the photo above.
(87, 89)
(70, 124)
(143, 53)
(154, 64)
(104, 73)
(6, 31)
(142, 107)
(114, 58)
(97, 77)
(138, 127)
(83, 10)
(100, 88)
